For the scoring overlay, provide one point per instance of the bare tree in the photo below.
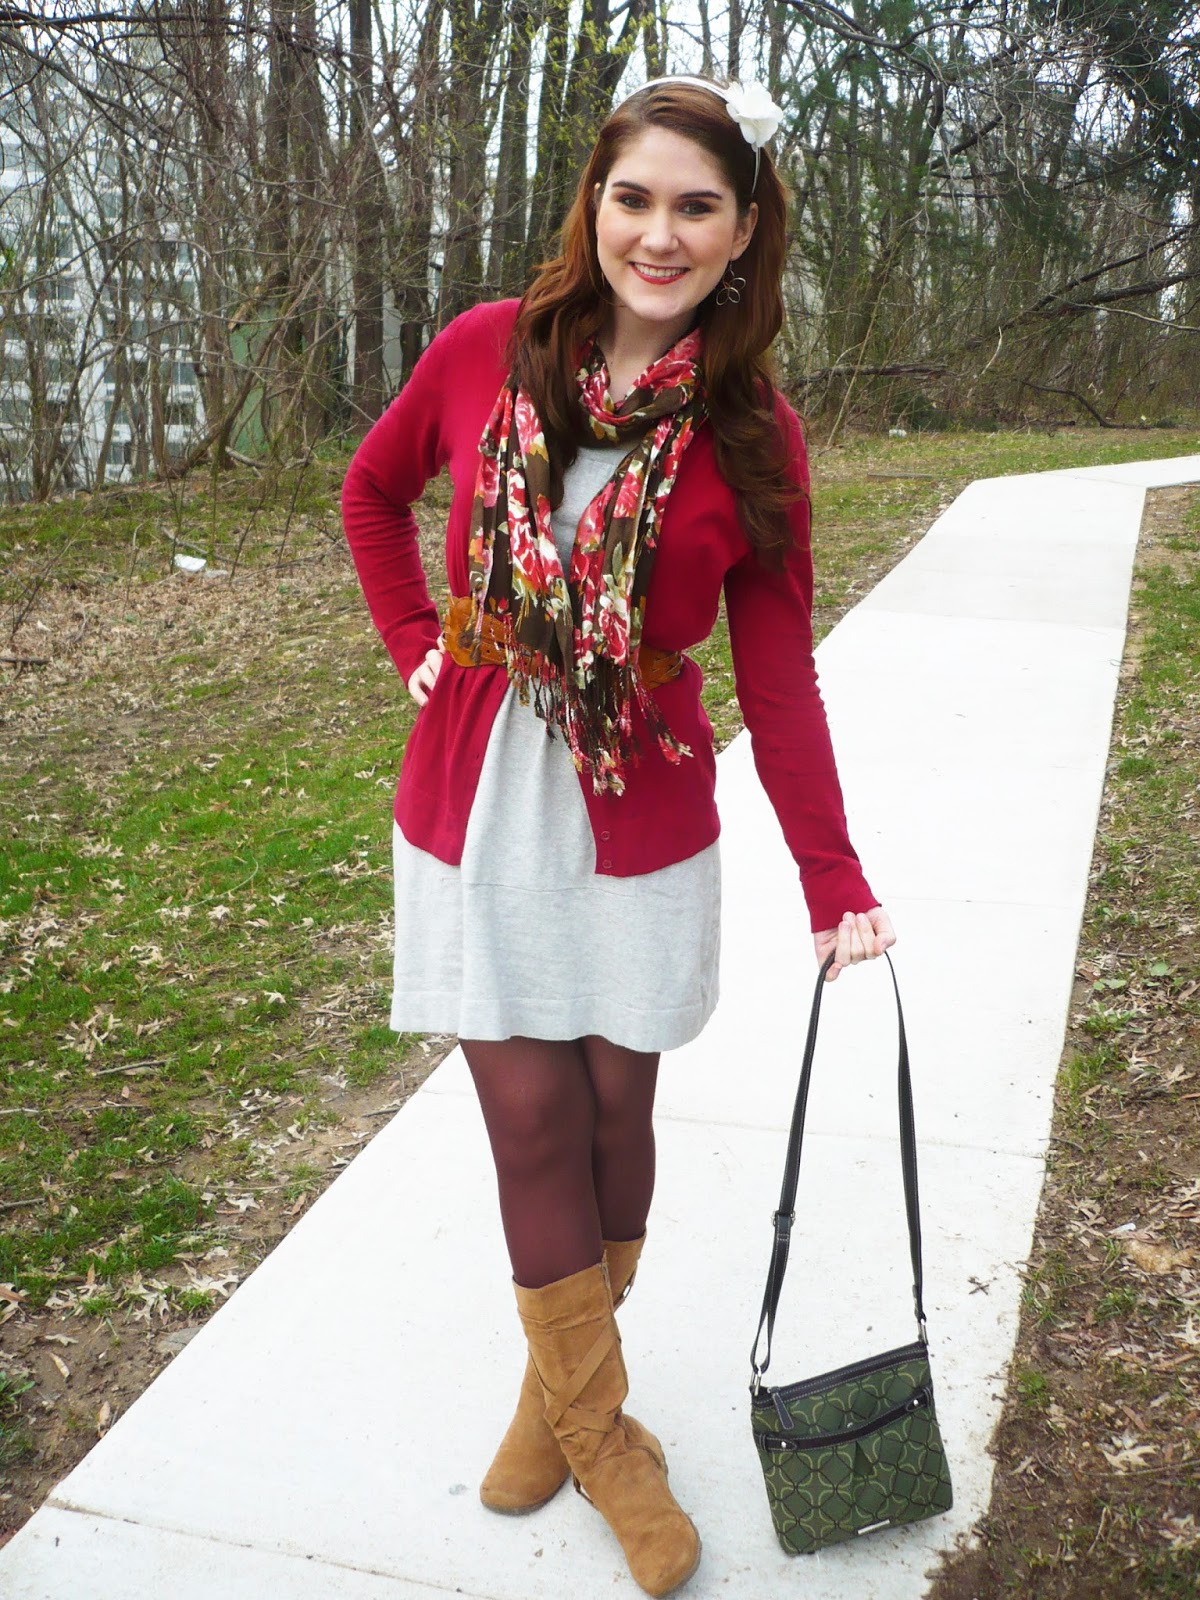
(230, 226)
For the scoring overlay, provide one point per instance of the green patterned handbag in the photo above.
(858, 1448)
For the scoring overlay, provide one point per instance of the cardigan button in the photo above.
(606, 864)
(606, 836)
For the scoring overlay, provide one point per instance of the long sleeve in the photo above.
(407, 447)
(770, 631)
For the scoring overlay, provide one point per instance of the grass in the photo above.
(194, 891)
(1096, 1489)
(1033, 1388)
(1117, 1303)
(15, 1441)
(168, 956)
(1046, 1287)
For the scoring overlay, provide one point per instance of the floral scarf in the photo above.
(573, 638)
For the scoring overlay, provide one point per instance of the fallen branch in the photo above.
(1071, 394)
(24, 661)
(77, 637)
(913, 370)
(131, 1066)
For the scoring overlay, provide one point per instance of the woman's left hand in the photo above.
(859, 936)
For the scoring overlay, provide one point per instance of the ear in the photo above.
(597, 191)
(744, 231)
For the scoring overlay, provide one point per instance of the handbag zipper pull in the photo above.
(781, 1411)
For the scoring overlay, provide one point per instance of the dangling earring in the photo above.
(732, 284)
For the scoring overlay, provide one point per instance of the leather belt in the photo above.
(657, 666)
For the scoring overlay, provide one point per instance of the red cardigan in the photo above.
(667, 813)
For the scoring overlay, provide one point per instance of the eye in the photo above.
(697, 208)
(629, 201)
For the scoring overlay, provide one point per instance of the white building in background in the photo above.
(97, 326)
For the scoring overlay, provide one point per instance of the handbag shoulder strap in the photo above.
(785, 1216)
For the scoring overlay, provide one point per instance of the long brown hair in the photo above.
(566, 303)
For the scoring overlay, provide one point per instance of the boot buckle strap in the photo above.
(579, 1417)
(558, 1404)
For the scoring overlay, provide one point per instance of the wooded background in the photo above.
(228, 227)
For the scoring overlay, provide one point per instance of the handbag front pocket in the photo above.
(855, 1458)
(820, 1441)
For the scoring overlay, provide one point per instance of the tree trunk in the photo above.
(462, 261)
(206, 76)
(414, 137)
(654, 42)
(310, 343)
(737, 22)
(277, 206)
(548, 208)
(506, 260)
(366, 197)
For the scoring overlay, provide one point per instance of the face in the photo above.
(667, 224)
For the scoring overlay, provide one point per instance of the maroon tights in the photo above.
(570, 1128)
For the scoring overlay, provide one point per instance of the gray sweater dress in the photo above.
(489, 950)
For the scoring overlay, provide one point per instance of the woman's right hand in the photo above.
(424, 678)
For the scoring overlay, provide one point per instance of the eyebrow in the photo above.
(692, 194)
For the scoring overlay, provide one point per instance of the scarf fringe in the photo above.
(597, 720)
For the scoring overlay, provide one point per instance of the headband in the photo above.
(749, 104)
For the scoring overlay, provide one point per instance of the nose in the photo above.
(659, 232)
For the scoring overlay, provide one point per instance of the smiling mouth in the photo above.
(657, 274)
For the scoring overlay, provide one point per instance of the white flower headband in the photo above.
(749, 104)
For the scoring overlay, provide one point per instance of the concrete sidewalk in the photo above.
(325, 1433)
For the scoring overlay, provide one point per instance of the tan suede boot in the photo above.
(529, 1467)
(574, 1345)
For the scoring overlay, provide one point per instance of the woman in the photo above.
(619, 457)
